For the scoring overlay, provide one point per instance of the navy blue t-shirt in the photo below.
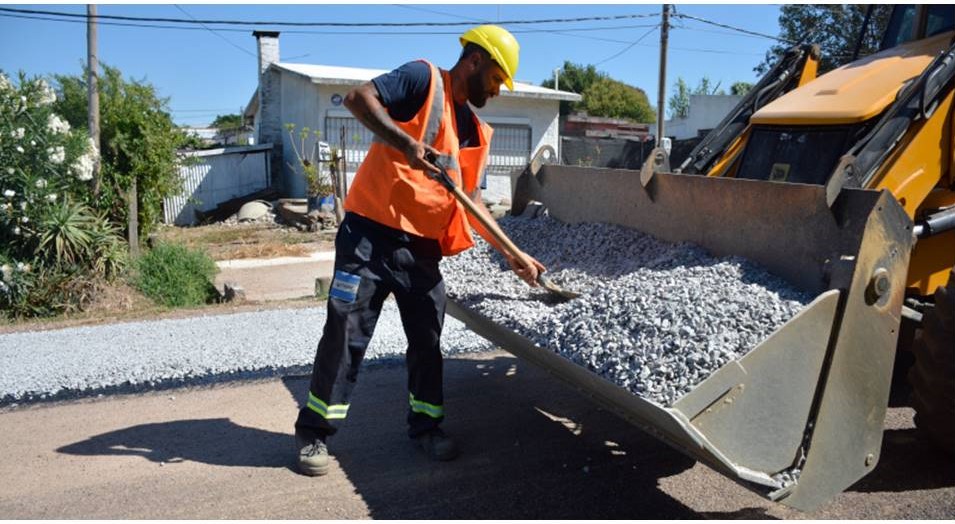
(404, 90)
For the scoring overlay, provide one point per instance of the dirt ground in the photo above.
(533, 448)
(223, 241)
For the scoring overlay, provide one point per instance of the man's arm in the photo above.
(364, 102)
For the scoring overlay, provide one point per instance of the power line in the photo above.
(226, 40)
(737, 29)
(635, 42)
(359, 33)
(564, 32)
(322, 24)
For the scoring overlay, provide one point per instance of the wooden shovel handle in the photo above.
(492, 228)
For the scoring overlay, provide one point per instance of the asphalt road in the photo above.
(533, 449)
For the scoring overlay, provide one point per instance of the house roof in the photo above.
(323, 74)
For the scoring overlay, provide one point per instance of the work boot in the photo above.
(312, 456)
(437, 445)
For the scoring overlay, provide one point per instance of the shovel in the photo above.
(494, 229)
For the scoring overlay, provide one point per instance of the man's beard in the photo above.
(477, 91)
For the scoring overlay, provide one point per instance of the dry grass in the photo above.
(248, 240)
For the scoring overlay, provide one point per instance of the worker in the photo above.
(398, 224)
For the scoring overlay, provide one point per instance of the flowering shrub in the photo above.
(48, 235)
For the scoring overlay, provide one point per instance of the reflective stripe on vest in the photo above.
(427, 409)
(335, 411)
(434, 116)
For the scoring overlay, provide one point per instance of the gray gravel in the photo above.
(655, 318)
(144, 355)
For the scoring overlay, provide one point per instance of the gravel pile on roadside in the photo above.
(138, 356)
(655, 318)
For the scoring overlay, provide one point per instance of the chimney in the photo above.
(268, 44)
(269, 123)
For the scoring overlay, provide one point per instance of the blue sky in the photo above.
(204, 73)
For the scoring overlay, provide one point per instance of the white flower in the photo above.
(10, 171)
(33, 143)
(23, 100)
(47, 94)
(7, 272)
(19, 149)
(91, 146)
(56, 125)
(9, 193)
(57, 154)
(24, 219)
(18, 133)
(3, 287)
(41, 183)
(51, 197)
(16, 230)
(23, 268)
(83, 167)
(23, 206)
(5, 83)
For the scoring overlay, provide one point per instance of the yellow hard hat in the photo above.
(502, 46)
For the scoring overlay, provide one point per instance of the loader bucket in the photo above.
(799, 418)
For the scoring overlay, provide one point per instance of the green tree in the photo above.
(575, 78)
(228, 122)
(835, 27)
(703, 88)
(679, 101)
(598, 90)
(740, 88)
(610, 98)
(138, 141)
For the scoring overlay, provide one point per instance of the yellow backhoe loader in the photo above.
(843, 185)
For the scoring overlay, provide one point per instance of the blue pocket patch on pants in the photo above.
(345, 287)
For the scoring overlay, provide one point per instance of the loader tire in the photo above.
(933, 375)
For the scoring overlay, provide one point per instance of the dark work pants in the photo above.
(371, 262)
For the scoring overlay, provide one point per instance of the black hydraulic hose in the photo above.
(935, 224)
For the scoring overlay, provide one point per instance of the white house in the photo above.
(309, 95)
(705, 113)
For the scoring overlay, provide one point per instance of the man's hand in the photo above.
(417, 154)
(527, 274)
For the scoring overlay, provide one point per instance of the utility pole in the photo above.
(661, 91)
(557, 79)
(92, 89)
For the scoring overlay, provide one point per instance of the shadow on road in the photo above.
(532, 449)
(908, 462)
(217, 441)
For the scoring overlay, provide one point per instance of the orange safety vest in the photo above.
(388, 191)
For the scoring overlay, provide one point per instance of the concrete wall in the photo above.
(706, 112)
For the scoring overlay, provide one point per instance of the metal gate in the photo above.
(357, 139)
(510, 147)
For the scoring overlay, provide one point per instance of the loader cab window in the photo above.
(901, 26)
(940, 18)
(912, 22)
